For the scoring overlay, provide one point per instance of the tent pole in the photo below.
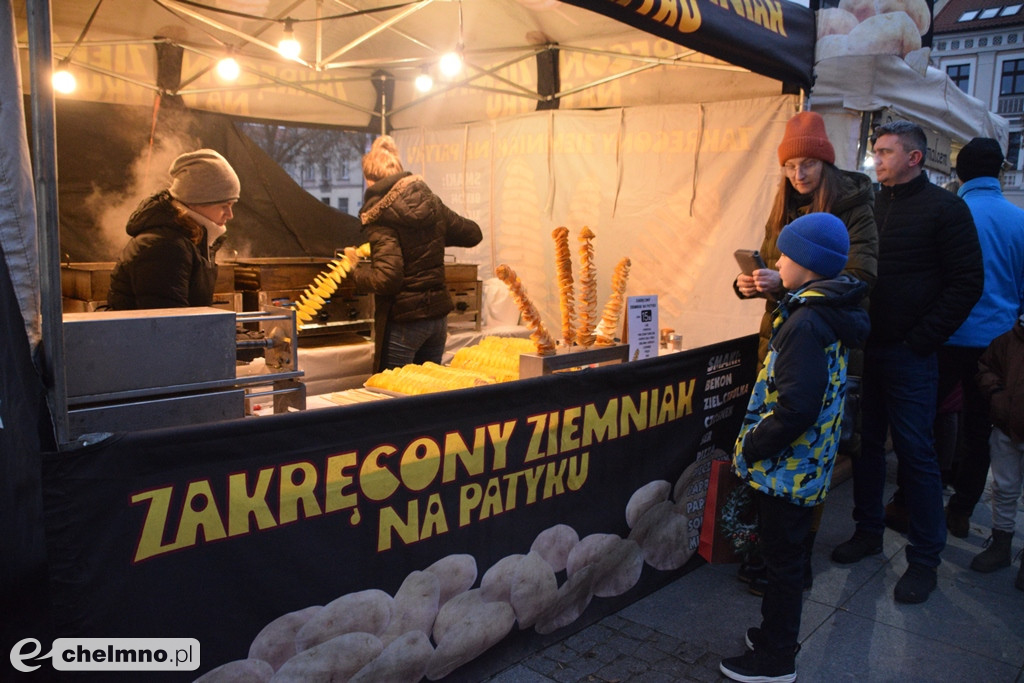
(44, 169)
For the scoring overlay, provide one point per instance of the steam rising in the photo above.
(145, 176)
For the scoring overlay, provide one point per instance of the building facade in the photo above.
(980, 45)
(336, 179)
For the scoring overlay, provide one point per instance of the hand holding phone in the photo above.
(749, 260)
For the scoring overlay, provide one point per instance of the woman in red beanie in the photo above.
(810, 182)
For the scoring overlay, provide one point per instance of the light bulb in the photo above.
(289, 48)
(64, 81)
(451, 64)
(424, 82)
(228, 69)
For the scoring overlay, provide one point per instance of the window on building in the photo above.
(969, 15)
(326, 200)
(1010, 10)
(1012, 80)
(344, 169)
(343, 204)
(961, 75)
(989, 13)
(1013, 149)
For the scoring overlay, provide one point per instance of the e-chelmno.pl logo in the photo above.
(108, 654)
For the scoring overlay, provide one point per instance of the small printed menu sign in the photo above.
(642, 321)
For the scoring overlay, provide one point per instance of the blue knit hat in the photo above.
(817, 241)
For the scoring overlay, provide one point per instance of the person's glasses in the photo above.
(805, 166)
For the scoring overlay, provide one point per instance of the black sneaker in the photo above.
(916, 584)
(757, 666)
(860, 545)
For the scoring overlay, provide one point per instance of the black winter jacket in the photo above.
(930, 272)
(161, 266)
(408, 228)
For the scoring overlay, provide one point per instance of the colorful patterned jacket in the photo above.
(789, 438)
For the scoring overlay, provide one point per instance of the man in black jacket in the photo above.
(930, 275)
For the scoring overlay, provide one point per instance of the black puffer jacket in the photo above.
(930, 272)
(162, 267)
(408, 228)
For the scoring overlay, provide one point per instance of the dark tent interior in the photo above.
(110, 157)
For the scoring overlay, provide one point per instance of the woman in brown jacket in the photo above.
(408, 228)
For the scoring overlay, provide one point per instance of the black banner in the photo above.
(214, 532)
(774, 38)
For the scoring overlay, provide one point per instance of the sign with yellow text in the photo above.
(545, 503)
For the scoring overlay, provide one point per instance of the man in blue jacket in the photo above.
(930, 276)
(1000, 227)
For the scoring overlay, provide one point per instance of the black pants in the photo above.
(971, 460)
(784, 527)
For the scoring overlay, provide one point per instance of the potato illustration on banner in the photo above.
(663, 535)
(275, 643)
(555, 543)
(367, 611)
(416, 604)
(456, 573)
(336, 659)
(403, 661)
(465, 628)
(533, 590)
(496, 583)
(573, 598)
(644, 498)
(616, 563)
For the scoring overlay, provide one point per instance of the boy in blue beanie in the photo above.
(788, 442)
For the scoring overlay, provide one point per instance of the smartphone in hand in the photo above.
(749, 260)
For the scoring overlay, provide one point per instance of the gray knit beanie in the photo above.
(203, 177)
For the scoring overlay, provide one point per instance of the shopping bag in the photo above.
(728, 531)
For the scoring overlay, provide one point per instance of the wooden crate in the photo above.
(467, 297)
(460, 272)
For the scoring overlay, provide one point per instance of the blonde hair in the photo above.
(382, 160)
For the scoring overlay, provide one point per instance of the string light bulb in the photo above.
(424, 81)
(289, 48)
(63, 80)
(451, 63)
(228, 69)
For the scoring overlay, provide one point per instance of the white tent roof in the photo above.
(874, 82)
(111, 46)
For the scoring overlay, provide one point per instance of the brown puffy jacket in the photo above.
(408, 228)
(1001, 377)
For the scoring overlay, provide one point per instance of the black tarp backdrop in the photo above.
(774, 38)
(100, 148)
(24, 432)
(209, 570)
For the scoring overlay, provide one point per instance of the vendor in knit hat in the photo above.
(170, 260)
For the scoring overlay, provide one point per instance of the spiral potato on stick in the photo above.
(588, 290)
(613, 308)
(566, 299)
(545, 343)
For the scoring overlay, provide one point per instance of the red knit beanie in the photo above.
(805, 137)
